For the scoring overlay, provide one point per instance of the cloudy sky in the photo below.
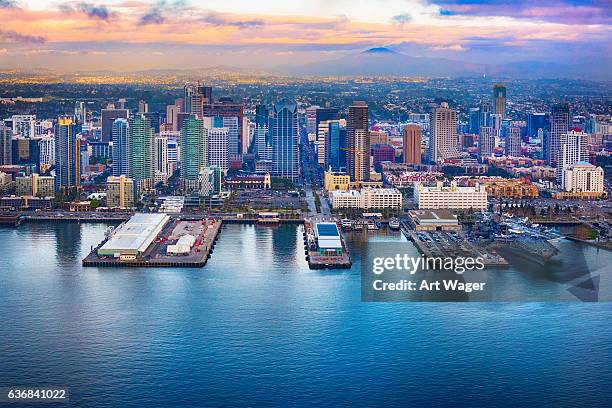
(269, 34)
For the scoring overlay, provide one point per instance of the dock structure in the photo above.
(156, 240)
(439, 244)
(10, 219)
(324, 245)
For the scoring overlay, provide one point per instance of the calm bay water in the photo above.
(256, 327)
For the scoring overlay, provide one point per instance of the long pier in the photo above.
(155, 255)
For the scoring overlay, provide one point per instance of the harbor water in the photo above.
(257, 327)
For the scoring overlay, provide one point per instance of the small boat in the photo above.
(347, 224)
(394, 223)
(372, 225)
(359, 225)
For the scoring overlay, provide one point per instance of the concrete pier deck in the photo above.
(205, 231)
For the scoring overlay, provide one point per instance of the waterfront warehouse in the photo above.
(328, 238)
(132, 238)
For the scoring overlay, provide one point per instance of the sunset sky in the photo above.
(135, 34)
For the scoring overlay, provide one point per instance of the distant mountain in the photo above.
(379, 50)
(384, 61)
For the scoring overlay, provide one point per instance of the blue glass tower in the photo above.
(284, 133)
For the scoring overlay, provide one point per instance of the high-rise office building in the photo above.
(232, 114)
(499, 100)
(193, 151)
(188, 91)
(172, 112)
(143, 106)
(173, 155)
(486, 141)
(484, 114)
(217, 147)
(162, 166)
(412, 144)
(443, 141)
(358, 142)
(322, 114)
(535, 123)
(336, 128)
(141, 152)
(263, 143)
(47, 153)
(284, 132)
(80, 112)
(120, 146)
(513, 142)
(311, 123)
(67, 156)
(573, 149)
(6, 140)
(24, 126)
(560, 120)
(322, 140)
(108, 117)
(474, 121)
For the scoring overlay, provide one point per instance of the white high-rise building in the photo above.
(173, 155)
(573, 148)
(47, 152)
(162, 165)
(311, 123)
(24, 125)
(486, 141)
(443, 125)
(218, 139)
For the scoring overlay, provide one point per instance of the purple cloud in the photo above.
(14, 36)
(558, 11)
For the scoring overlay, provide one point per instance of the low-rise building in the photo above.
(450, 197)
(366, 198)
(498, 187)
(337, 181)
(438, 220)
(35, 185)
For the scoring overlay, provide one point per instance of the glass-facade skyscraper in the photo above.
(67, 155)
(193, 151)
(120, 147)
(284, 132)
(140, 153)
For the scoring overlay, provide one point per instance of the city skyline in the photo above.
(312, 38)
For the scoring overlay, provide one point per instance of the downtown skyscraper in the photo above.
(499, 100)
(358, 142)
(284, 132)
(6, 136)
(141, 152)
(263, 142)
(443, 141)
(121, 146)
(67, 156)
(412, 136)
(193, 151)
(486, 141)
(573, 149)
(559, 125)
(513, 142)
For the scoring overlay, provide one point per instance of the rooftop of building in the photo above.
(433, 216)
